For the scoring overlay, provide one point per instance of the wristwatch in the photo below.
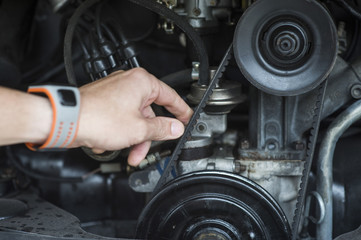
(65, 103)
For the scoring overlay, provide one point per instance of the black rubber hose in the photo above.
(178, 79)
(355, 12)
(153, 6)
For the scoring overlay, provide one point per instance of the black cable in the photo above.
(144, 35)
(354, 11)
(178, 79)
(111, 35)
(82, 45)
(187, 29)
(69, 38)
(153, 6)
(93, 45)
(56, 70)
(36, 175)
(98, 12)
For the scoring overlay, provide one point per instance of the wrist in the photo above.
(84, 120)
(65, 103)
(38, 119)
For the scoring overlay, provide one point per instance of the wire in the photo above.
(188, 30)
(69, 38)
(16, 162)
(98, 12)
(178, 79)
(82, 45)
(153, 6)
(111, 35)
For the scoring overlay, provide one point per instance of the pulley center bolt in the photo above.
(286, 44)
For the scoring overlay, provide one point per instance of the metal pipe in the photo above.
(324, 165)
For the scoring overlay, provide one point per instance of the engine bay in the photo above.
(271, 152)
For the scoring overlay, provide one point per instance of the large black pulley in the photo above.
(212, 205)
(285, 47)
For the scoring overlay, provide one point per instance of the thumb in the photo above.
(164, 128)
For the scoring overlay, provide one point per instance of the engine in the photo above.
(272, 151)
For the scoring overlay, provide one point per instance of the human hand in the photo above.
(115, 113)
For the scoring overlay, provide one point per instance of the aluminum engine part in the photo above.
(222, 160)
(223, 99)
(207, 125)
(202, 137)
(281, 178)
(203, 14)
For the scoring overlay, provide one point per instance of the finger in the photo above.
(159, 93)
(97, 151)
(166, 96)
(170, 99)
(163, 128)
(148, 112)
(138, 153)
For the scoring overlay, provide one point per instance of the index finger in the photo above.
(169, 98)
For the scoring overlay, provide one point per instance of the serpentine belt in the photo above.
(309, 157)
(317, 110)
(192, 122)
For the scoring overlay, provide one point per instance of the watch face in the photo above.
(67, 97)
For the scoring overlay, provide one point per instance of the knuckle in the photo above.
(141, 132)
(139, 73)
(163, 129)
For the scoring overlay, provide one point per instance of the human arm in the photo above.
(115, 113)
(23, 117)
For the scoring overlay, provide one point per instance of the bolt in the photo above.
(286, 44)
(245, 144)
(213, 3)
(299, 146)
(195, 66)
(201, 127)
(356, 91)
(165, 153)
(197, 12)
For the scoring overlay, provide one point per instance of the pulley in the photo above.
(212, 205)
(285, 47)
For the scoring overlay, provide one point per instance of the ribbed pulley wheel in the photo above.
(212, 205)
(285, 47)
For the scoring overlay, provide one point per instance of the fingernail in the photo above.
(176, 129)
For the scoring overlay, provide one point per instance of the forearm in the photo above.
(24, 117)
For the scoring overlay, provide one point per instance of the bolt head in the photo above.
(245, 144)
(299, 146)
(196, 12)
(356, 91)
(286, 44)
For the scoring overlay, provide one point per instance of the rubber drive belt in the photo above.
(193, 121)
